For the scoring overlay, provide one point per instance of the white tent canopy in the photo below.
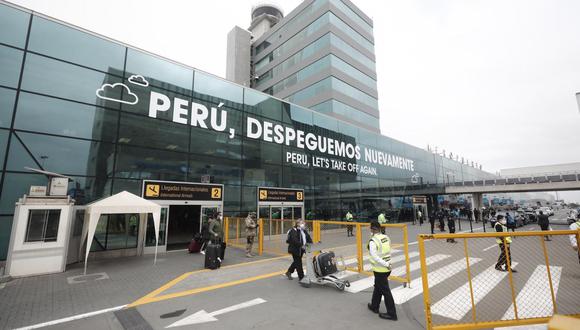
(121, 203)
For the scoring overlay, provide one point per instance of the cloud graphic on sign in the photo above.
(101, 92)
(138, 79)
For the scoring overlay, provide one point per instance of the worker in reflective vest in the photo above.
(380, 256)
(502, 260)
(573, 240)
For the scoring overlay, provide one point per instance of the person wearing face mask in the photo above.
(216, 232)
(297, 239)
(500, 227)
(379, 247)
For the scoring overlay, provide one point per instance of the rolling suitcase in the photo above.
(194, 246)
(212, 253)
(325, 264)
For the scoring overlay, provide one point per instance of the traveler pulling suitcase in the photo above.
(325, 264)
(212, 256)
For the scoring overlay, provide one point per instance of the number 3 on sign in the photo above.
(299, 196)
(216, 193)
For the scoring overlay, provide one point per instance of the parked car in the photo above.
(546, 210)
(572, 216)
(530, 214)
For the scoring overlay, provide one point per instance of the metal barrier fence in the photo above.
(538, 277)
(346, 239)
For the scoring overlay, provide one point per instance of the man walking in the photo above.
(380, 256)
(251, 226)
(432, 221)
(504, 246)
(451, 225)
(297, 239)
(544, 222)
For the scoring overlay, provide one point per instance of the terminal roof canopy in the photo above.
(121, 203)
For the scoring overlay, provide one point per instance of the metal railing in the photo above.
(478, 289)
(346, 239)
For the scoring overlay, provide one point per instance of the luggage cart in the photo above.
(312, 277)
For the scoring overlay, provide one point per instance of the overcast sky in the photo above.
(491, 80)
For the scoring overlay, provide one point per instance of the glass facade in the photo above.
(110, 116)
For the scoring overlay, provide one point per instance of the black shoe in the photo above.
(388, 316)
(289, 276)
(514, 271)
(500, 269)
(370, 307)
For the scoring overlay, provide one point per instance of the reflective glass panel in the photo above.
(13, 26)
(63, 42)
(57, 154)
(215, 89)
(142, 163)
(7, 98)
(159, 72)
(68, 81)
(10, 64)
(150, 132)
(44, 114)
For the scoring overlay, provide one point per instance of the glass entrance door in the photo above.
(150, 232)
(206, 213)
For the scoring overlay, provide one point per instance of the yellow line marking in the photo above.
(207, 288)
(145, 299)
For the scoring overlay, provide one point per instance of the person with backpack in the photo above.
(297, 238)
(511, 222)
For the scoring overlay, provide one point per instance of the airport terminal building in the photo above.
(115, 118)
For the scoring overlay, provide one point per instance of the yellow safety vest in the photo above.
(499, 240)
(383, 244)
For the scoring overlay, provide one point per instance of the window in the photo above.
(57, 40)
(352, 15)
(159, 72)
(49, 115)
(13, 26)
(7, 98)
(42, 226)
(10, 64)
(65, 80)
(150, 234)
(116, 231)
(217, 90)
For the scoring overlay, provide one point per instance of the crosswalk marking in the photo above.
(402, 295)
(482, 284)
(366, 283)
(535, 299)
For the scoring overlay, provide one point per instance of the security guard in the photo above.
(380, 250)
(349, 228)
(500, 227)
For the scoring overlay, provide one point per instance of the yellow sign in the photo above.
(152, 190)
(263, 194)
(299, 195)
(216, 193)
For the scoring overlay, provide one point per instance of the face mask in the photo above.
(302, 226)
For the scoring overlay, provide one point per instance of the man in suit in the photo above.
(297, 239)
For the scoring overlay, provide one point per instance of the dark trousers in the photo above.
(349, 230)
(382, 290)
(432, 221)
(502, 260)
(297, 264)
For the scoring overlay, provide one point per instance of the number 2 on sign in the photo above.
(216, 193)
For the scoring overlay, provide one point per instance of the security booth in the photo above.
(279, 207)
(420, 204)
(184, 208)
(41, 228)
